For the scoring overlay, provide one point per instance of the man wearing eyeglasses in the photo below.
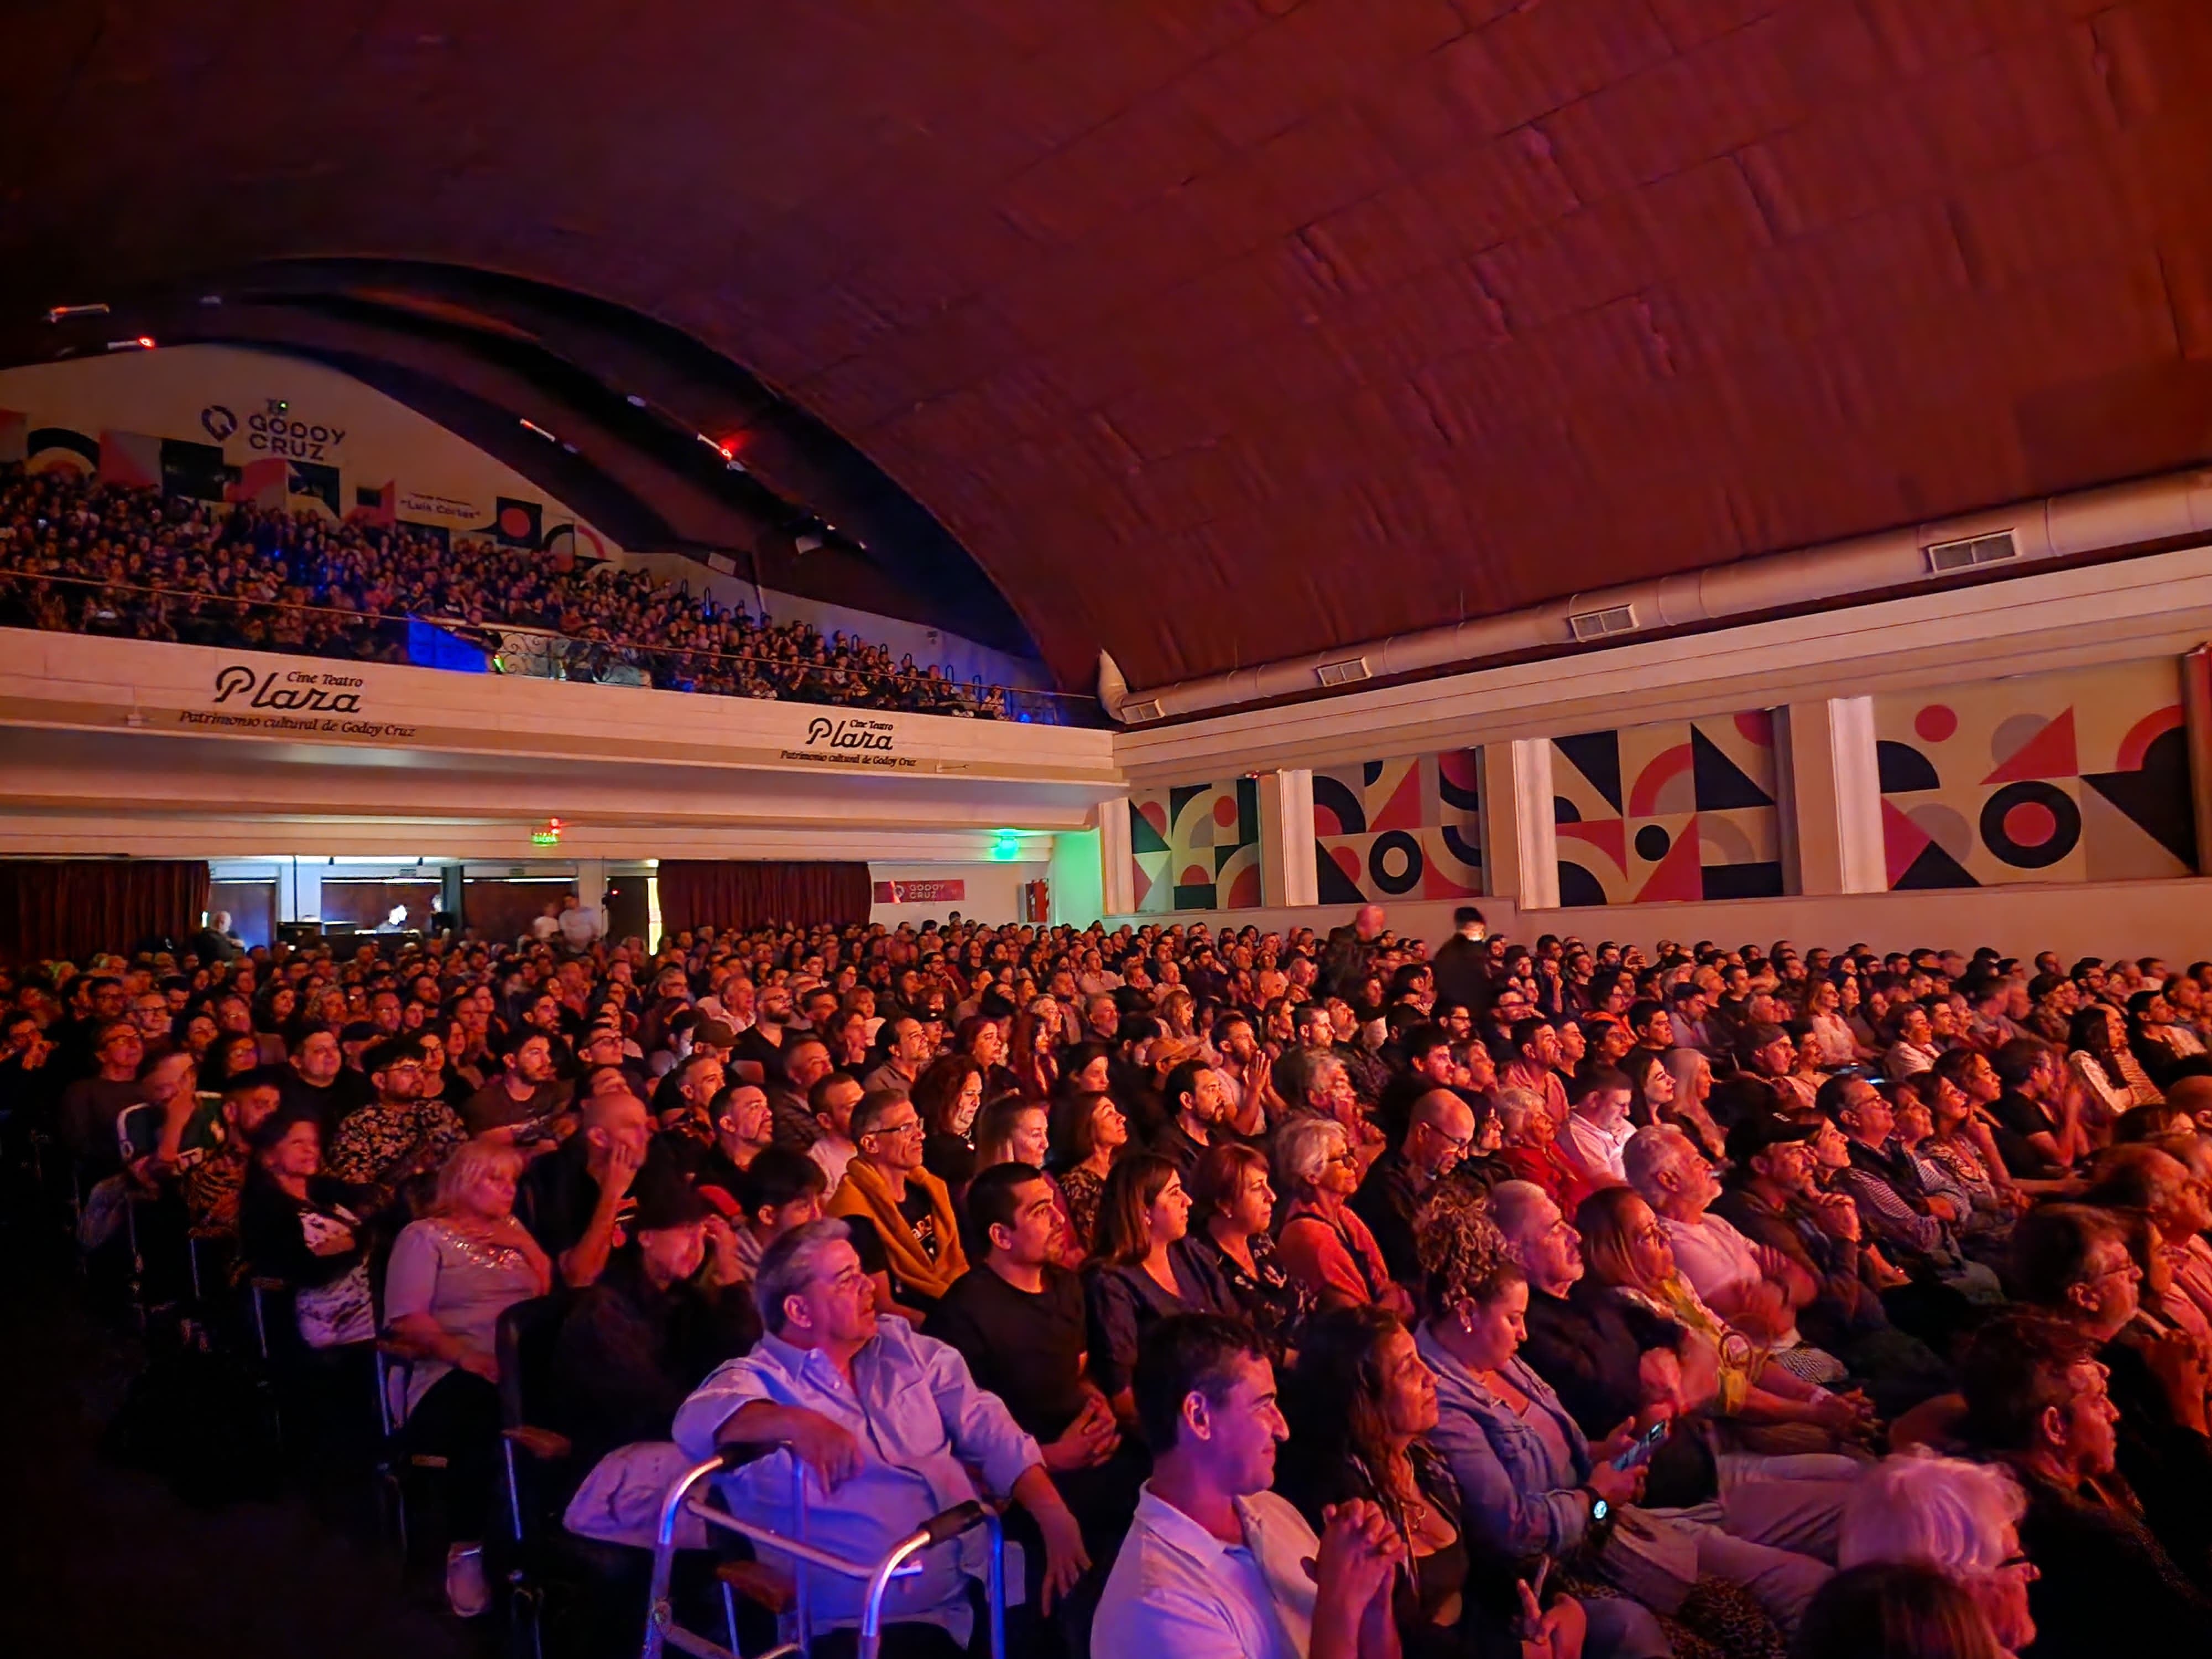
(903, 1224)
(398, 1134)
(1439, 1132)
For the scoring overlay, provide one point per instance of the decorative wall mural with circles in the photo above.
(1677, 810)
(1400, 829)
(2079, 776)
(1196, 845)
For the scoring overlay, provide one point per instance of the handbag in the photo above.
(342, 1311)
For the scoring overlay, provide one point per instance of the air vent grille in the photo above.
(1138, 713)
(1597, 624)
(1971, 551)
(1343, 673)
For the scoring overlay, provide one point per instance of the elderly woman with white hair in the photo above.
(1960, 1518)
(1320, 1241)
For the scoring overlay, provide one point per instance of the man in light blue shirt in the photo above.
(887, 1423)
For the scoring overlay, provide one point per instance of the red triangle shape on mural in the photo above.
(2049, 754)
(1902, 841)
(1677, 876)
(1403, 810)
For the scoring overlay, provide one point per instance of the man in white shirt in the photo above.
(1597, 1127)
(580, 924)
(1215, 1565)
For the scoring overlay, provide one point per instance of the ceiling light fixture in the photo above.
(63, 313)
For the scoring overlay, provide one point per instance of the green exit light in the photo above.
(1008, 847)
(545, 837)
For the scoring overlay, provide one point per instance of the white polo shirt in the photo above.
(1177, 1590)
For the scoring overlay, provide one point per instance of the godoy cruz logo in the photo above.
(237, 680)
(846, 734)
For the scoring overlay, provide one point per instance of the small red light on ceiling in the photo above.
(146, 340)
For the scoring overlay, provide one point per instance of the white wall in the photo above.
(1077, 878)
(994, 890)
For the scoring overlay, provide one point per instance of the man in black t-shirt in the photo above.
(1018, 1319)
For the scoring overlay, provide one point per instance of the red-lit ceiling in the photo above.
(1222, 329)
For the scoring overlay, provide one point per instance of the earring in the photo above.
(1465, 1323)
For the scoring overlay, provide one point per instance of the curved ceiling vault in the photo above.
(1218, 330)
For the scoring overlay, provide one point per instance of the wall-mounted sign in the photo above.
(296, 699)
(851, 740)
(921, 892)
(275, 430)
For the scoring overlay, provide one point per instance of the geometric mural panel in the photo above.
(1196, 847)
(1671, 811)
(2082, 775)
(1406, 829)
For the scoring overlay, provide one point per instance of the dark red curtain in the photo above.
(728, 893)
(73, 906)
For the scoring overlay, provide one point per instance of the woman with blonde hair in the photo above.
(451, 1275)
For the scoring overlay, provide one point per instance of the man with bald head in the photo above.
(1439, 1132)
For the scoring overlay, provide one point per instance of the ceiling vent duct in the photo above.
(1971, 551)
(1347, 673)
(1138, 713)
(1597, 625)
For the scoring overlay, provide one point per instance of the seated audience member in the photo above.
(1197, 1109)
(744, 1126)
(1360, 1405)
(1531, 1484)
(887, 1424)
(1912, 1045)
(1439, 1132)
(1810, 1236)
(320, 1085)
(294, 1226)
(1143, 1269)
(1234, 1204)
(2036, 1402)
(948, 1094)
(831, 1102)
(805, 1063)
(515, 1107)
(672, 1305)
(1628, 1257)
(1323, 1243)
(400, 1135)
(1692, 1075)
(1723, 1267)
(1090, 1134)
(91, 1105)
(1216, 1565)
(450, 1277)
(1597, 1126)
(213, 1184)
(1896, 1610)
(1915, 1229)
(1531, 1149)
(579, 1198)
(906, 1233)
(1012, 1130)
(906, 1050)
(1960, 1519)
(2073, 1261)
(2036, 1121)
(780, 1189)
(2110, 1076)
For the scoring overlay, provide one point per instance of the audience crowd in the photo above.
(84, 557)
(1298, 1294)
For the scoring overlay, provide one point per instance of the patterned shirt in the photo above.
(373, 1139)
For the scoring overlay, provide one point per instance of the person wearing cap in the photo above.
(1774, 1198)
(671, 1305)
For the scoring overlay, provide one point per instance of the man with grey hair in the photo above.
(1746, 1283)
(886, 1423)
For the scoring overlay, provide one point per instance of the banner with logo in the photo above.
(921, 892)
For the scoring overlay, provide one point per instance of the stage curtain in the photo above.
(74, 907)
(730, 893)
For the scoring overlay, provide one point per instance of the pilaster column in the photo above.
(1117, 875)
(1832, 798)
(1288, 877)
(1521, 850)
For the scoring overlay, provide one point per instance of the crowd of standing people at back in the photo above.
(1299, 1294)
(84, 558)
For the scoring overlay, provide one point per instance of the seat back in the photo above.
(138, 1131)
(525, 1341)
